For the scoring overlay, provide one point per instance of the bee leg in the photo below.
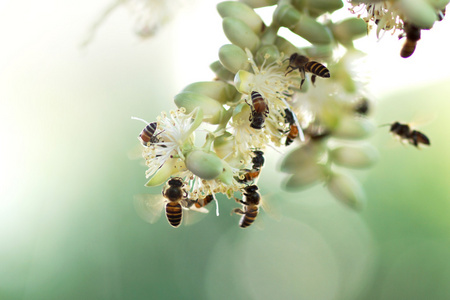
(238, 211)
(313, 79)
(287, 72)
(301, 83)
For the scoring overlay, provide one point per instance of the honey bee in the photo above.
(412, 34)
(304, 64)
(260, 110)
(147, 135)
(293, 129)
(250, 208)
(414, 137)
(173, 199)
(362, 107)
(258, 162)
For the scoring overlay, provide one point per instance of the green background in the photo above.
(68, 229)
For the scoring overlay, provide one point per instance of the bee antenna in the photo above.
(139, 119)
(383, 125)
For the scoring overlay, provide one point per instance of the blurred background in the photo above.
(68, 229)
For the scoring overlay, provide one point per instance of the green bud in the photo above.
(299, 4)
(241, 113)
(304, 177)
(418, 12)
(312, 31)
(240, 33)
(438, 4)
(353, 128)
(233, 58)
(259, 3)
(322, 6)
(354, 157)
(213, 111)
(242, 12)
(223, 145)
(271, 51)
(206, 165)
(319, 51)
(227, 174)
(302, 157)
(217, 90)
(348, 30)
(242, 81)
(347, 190)
(286, 15)
(170, 167)
(285, 46)
(220, 71)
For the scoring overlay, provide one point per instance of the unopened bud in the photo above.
(206, 165)
(312, 31)
(240, 33)
(285, 46)
(269, 53)
(322, 6)
(306, 176)
(418, 12)
(217, 90)
(303, 156)
(243, 81)
(348, 30)
(286, 15)
(213, 111)
(233, 58)
(259, 3)
(242, 12)
(347, 190)
(354, 157)
(354, 128)
(221, 72)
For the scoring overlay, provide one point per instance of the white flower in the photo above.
(175, 135)
(384, 14)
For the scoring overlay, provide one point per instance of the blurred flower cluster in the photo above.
(408, 16)
(309, 103)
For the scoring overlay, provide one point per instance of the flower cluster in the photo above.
(268, 92)
(410, 17)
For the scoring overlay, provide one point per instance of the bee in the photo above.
(362, 107)
(414, 137)
(260, 110)
(258, 162)
(304, 64)
(293, 129)
(199, 204)
(412, 34)
(173, 200)
(147, 135)
(250, 208)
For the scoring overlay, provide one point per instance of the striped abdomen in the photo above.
(147, 133)
(293, 133)
(251, 211)
(317, 69)
(259, 105)
(174, 213)
(205, 201)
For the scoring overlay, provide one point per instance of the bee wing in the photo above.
(149, 207)
(192, 215)
(269, 208)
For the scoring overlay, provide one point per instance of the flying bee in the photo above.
(260, 110)
(250, 208)
(173, 199)
(304, 64)
(412, 34)
(293, 129)
(404, 131)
